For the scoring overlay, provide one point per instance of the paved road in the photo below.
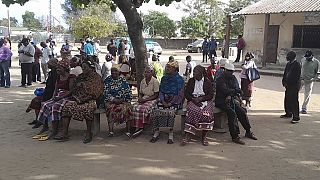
(283, 151)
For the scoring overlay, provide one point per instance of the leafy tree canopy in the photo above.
(30, 21)
(160, 24)
(193, 27)
(5, 22)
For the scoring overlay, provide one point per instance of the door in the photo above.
(272, 44)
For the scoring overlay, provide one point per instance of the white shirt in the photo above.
(198, 91)
(76, 71)
(106, 69)
(245, 66)
(24, 58)
(45, 55)
(126, 49)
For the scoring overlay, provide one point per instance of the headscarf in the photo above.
(171, 84)
(53, 62)
(64, 63)
(173, 64)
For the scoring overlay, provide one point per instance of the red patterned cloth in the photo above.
(141, 113)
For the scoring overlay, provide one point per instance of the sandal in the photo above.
(205, 142)
(154, 139)
(184, 142)
(111, 134)
(38, 136)
(43, 138)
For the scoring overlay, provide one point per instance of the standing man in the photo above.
(212, 47)
(46, 55)
(5, 58)
(36, 74)
(26, 58)
(189, 67)
(223, 48)
(240, 45)
(205, 48)
(310, 73)
(291, 81)
(126, 49)
(88, 48)
(112, 48)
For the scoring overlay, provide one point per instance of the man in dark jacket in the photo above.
(291, 81)
(227, 91)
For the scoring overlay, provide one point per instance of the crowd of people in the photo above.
(76, 86)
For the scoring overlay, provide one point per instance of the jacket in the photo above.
(291, 76)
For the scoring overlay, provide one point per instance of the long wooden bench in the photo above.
(219, 117)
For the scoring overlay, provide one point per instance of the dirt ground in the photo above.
(283, 151)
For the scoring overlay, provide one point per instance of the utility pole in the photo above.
(9, 24)
(50, 16)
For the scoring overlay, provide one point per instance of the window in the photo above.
(306, 36)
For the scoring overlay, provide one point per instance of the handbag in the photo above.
(253, 74)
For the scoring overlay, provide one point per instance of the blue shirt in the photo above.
(212, 45)
(205, 45)
(89, 49)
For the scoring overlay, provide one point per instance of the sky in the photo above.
(41, 8)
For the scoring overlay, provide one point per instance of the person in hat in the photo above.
(228, 99)
(310, 73)
(220, 70)
(292, 83)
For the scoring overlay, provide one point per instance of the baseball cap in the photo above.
(308, 54)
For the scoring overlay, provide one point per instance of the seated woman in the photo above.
(118, 96)
(149, 91)
(199, 94)
(51, 110)
(47, 94)
(86, 89)
(75, 66)
(171, 98)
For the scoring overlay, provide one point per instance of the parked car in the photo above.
(195, 46)
(153, 47)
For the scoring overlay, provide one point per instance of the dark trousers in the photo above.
(291, 101)
(223, 53)
(205, 56)
(36, 74)
(26, 73)
(5, 73)
(238, 55)
(212, 52)
(238, 113)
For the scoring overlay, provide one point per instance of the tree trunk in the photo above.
(135, 27)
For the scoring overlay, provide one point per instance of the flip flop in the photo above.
(39, 136)
(43, 138)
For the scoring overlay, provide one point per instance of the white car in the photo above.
(157, 49)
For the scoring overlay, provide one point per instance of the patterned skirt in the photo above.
(51, 110)
(141, 113)
(79, 112)
(36, 103)
(199, 119)
(163, 117)
(246, 88)
(119, 113)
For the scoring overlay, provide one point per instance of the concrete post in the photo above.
(265, 39)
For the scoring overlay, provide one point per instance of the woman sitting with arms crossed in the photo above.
(171, 98)
(149, 92)
(87, 88)
(118, 98)
(199, 94)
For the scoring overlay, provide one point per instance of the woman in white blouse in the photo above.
(246, 84)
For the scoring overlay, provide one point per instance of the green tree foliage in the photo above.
(13, 22)
(120, 30)
(94, 21)
(237, 22)
(211, 14)
(30, 21)
(193, 27)
(159, 24)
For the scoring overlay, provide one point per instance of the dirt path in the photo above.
(283, 151)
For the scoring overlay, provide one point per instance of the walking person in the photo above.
(310, 73)
(112, 48)
(26, 58)
(46, 55)
(36, 74)
(246, 84)
(5, 58)
(205, 49)
(240, 45)
(291, 81)
(212, 47)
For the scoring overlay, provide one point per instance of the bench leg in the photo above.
(96, 125)
(220, 120)
(183, 120)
